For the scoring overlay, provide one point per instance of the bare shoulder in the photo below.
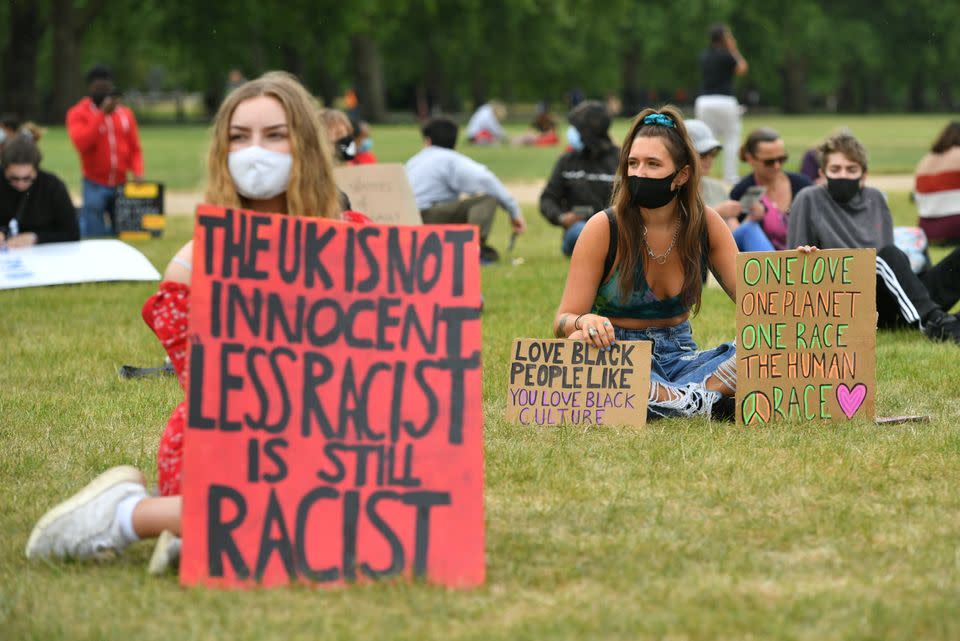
(592, 244)
(718, 232)
(597, 227)
(713, 220)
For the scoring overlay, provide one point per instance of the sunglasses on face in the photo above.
(770, 162)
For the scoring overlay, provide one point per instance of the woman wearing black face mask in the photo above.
(638, 269)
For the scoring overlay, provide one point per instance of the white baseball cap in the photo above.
(703, 139)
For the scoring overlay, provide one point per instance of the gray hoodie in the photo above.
(817, 219)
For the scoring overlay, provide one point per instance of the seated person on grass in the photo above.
(637, 271)
(713, 191)
(845, 214)
(765, 229)
(439, 176)
(582, 179)
(35, 206)
(266, 136)
(484, 127)
(937, 188)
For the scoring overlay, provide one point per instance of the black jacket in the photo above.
(45, 209)
(581, 179)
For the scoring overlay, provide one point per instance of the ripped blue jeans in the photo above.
(682, 369)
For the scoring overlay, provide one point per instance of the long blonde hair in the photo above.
(691, 236)
(312, 190)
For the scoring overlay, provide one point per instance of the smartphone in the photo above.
(751, 196)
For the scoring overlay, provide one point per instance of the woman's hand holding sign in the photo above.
(594, 329)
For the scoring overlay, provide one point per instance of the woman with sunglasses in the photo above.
(638, 268)
(764, 228)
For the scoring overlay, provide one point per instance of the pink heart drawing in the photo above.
(851, 399)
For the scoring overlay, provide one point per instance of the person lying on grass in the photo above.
(638, 269)
(269, 153)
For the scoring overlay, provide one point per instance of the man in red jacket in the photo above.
(104, 133)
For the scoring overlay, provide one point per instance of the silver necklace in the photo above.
(662, 258)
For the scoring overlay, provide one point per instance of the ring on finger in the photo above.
(606, 323)
(592, 331)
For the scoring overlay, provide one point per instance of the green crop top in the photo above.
(642, 303)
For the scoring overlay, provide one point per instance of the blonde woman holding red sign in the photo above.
(269, 153)
(638, 270)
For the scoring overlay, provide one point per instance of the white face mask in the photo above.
(259, 173)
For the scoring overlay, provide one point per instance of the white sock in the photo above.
(124, 517)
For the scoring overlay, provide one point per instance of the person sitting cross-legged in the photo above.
(845, 214)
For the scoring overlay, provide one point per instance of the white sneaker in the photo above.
(85, 525)
(166, 553)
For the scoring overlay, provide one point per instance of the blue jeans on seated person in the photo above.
(97, 199)
(570, 236)
(750, 238)
(679, 365)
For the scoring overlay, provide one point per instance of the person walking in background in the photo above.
(35, 206)
(937, 187)
(104, 133)
(582, 179)
(439, 176)
(717, 105)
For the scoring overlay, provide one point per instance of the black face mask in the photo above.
(651, 193)
(346, 148)
(843, 190)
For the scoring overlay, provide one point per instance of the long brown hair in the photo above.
(949, 137)
(693, 226)
(312, 190)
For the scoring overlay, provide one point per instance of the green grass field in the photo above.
(681, 530)
(177, 155)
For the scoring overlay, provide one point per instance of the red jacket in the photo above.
(109, 145)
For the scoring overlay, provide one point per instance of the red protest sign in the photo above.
(334, 429)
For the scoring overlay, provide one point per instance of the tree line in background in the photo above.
(399, 55)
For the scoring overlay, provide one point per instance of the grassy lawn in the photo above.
(682, 530)
(177, 155)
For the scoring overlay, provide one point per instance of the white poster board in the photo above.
(381, 192)
(85, 261)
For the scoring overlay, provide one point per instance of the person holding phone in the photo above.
(765, 228)
(104, 133)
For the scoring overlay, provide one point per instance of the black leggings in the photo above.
(907, 298)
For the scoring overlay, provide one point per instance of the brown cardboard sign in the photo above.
(560, 381)
(381, 192)
(806, 336)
